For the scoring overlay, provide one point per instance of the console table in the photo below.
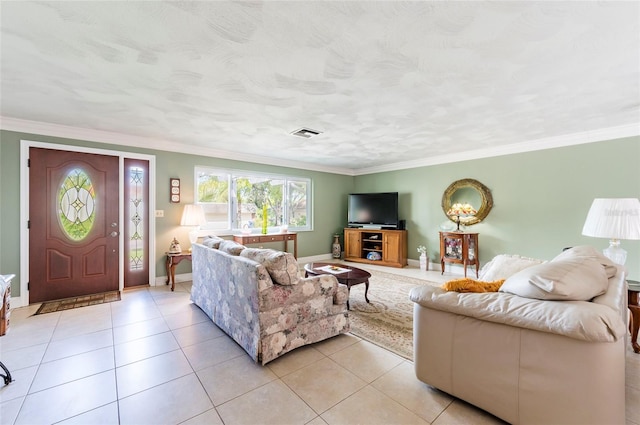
(270, 237)
(459, 248)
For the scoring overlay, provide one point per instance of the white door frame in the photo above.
(25, 145)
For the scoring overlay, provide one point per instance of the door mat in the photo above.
(77, 302)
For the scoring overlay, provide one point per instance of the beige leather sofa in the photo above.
(526, 361)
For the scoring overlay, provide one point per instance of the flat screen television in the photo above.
(373, 210)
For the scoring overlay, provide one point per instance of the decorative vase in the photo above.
(264, 219)
(175, 248)
(424, 264)
(336, 250)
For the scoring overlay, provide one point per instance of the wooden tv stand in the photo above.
(390, 244)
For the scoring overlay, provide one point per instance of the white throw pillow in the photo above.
(231, 247)
(571, 279)
(212, 242)
(281, 266)
(587, 251)
(503, 266)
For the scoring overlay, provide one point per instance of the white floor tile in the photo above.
(170, 403)
(144, 348)
(69, 369)
(104, 415)
(233, 378)
(370, 406)
(139, 330)
(199, 332)
(67, 400)
(148, 373)
(270, 404)
(19, 387)
(78, 344)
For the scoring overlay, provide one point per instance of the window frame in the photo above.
(233, 226)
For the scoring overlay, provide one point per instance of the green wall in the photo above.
(541, 198)
(329, 203)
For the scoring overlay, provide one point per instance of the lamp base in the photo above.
(193, 236)
(615, 253)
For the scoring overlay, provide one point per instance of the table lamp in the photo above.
(193, 215)
(459, 209)
(614, 219)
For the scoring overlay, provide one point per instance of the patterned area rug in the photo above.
(76, 302)
(388, 320)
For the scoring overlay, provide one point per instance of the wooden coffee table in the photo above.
(352, 277)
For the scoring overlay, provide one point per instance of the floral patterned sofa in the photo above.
(257, 297)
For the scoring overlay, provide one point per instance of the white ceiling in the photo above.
(389, 83)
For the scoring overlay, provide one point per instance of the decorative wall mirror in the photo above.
(468, 191)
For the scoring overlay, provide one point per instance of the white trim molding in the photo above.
(100, 136)
(25, 145)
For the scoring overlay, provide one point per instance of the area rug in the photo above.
(77, 302)
(387, 320)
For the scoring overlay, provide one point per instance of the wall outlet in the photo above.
(159, 213)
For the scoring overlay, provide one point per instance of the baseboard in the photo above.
(183, 277)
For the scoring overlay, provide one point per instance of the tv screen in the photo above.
(373, 209)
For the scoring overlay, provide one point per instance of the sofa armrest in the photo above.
(318, 290)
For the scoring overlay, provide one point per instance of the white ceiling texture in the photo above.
(389, 84)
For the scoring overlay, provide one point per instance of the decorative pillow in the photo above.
(231, 247)
(504, 266)
(471, 285)
(281, 266)
(212, 241)
(587, 251)
(571, 279)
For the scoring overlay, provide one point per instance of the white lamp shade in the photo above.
(192, 215)
(613, 218)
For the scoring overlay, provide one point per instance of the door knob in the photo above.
(114, 234)
(114, 224)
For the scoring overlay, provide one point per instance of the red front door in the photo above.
(73, 236)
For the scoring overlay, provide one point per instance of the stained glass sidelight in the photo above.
(136, 214)
(76, 204)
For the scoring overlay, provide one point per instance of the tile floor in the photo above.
(156, 358)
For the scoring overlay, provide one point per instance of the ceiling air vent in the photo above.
(307, 133)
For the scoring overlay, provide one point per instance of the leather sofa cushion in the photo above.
(587, 251)
(577, 274)
(504, 266)
(281, 266)
(576, 279)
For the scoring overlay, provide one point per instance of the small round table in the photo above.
(634, 307)
(352, 276)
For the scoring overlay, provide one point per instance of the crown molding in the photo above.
(611, 133)
(100, 136)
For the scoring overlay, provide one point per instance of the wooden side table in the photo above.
(174, 259)
(634, 307)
